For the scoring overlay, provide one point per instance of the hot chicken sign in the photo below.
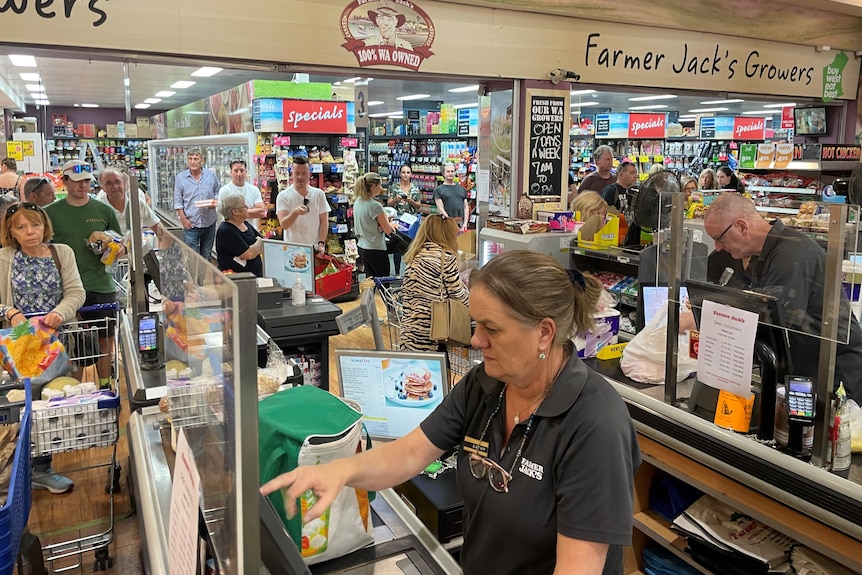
(387, 33)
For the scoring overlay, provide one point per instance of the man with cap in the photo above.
(74, 218)
(387, 20)
(39, 191)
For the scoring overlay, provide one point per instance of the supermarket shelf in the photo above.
(611, 253)
(420, 137)
(658, 529)
(779, 190)
(768, 209)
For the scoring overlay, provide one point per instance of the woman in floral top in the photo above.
(38, 280)
(405, 197)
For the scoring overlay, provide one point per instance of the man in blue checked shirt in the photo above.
(195, 199)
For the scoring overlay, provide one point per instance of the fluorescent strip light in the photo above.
(579, 92)
(141, 106)
(183, 84)
(30, 77)
(790, 105)
(352, 80)
(474, 88)
(206, 71)
(89, 105)
(398, 115)
(581, 104)
(686, 120)
(761, 112)
(653, 107)
(460, 106)
(35, 87)
(152, 100)
(126, 82)
(383, 114)
(375, 103)
(704, 110)
(648, 98)
(164, 94)
(413, 97)
(22, 60)
(734, 101)
(42, 101)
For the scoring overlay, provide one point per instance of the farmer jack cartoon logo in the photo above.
(387, 33)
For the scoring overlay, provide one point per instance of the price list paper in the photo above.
(726, 348)
(183, 525)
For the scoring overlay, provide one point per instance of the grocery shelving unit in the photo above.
(131, 152)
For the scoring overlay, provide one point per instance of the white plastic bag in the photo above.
(854, 414)
(644, 357)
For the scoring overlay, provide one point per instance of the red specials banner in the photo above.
(749, 128)
(647, 125)
(315, 117)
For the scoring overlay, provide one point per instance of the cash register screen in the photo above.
(283, 261)
(397, 390)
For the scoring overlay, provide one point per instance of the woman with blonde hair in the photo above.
(688, 186)
(707, 179)
(589, 204)
(432, 273)
(371, 224)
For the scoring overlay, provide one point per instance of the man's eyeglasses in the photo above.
(304, 201)
(79, 169)
(720, 238)
(22, 206)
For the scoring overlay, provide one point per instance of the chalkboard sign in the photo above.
(545, 136)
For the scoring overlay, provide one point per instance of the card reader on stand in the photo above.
(800, 402)
(149, 335)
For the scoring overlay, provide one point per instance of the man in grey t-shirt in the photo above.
(451, 198)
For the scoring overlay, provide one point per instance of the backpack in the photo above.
(308, 426)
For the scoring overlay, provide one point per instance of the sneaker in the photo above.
(49, 480)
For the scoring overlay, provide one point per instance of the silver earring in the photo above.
(542, 356)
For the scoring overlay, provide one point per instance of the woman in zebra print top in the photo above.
(425, 281)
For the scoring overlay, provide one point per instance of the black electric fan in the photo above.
(651, 203)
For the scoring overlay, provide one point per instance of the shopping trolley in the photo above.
(86, 421)
(122, 281)
(389, 288)
(16, 508)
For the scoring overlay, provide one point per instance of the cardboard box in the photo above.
(112, 131)
(467, 242)
(605, 332)
(607, 236)
(131, 130)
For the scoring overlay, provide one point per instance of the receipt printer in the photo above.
(270, 297)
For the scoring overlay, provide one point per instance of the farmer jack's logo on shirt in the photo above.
(387, 33)
(531, 469)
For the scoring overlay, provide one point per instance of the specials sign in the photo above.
(647, 125)
(387, 32)
(303, 116)
(749, 128)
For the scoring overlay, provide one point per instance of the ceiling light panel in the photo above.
(790, 105)
(164, 94)
(652, 107)
(413, 97)
(183, 84)
(580, 92)
(35, 87)
(375, 102)
(152, 100)
(705, 110)
(89, 105)
(206, 71)
(581, 104)
(460, 106)
(649, 98)
(141, 106)
(761, 113)
(30, 76)
(22, 61)
(474, 88)
(734, 101)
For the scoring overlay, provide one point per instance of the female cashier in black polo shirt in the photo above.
(547, 449)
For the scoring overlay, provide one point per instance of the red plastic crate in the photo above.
(336, 284)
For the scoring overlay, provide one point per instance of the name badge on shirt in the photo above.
(472, 445)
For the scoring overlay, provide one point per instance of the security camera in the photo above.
(558, 75)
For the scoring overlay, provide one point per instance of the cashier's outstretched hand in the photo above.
(324, 480)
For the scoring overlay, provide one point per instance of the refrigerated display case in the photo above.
(168, 158)
(555, 244)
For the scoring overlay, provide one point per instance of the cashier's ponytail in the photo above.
(534, 286)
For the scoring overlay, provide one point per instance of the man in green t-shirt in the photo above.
(74, 219)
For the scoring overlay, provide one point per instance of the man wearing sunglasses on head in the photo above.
(39, 191)
(74, 218)
(302, 209)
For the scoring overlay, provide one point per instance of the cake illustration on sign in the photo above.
(387, 33)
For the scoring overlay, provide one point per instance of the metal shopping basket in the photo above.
(15, 511)
(86, 421)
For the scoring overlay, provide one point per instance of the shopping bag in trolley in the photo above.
(33, 350)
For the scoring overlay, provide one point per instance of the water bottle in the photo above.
(297, 294)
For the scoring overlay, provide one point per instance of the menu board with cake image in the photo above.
(283, 261)
(396, 390)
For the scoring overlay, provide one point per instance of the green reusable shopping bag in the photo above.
(308, 426)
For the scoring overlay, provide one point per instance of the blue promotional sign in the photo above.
(268, 115)
(612, 126)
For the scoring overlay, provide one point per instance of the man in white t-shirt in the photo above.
(113, 193)
(302, 210)
(251, 193)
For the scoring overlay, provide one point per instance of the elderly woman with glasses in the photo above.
(39, 279)
(238, 244)
(547, 448)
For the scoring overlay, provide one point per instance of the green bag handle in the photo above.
(294, 526)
